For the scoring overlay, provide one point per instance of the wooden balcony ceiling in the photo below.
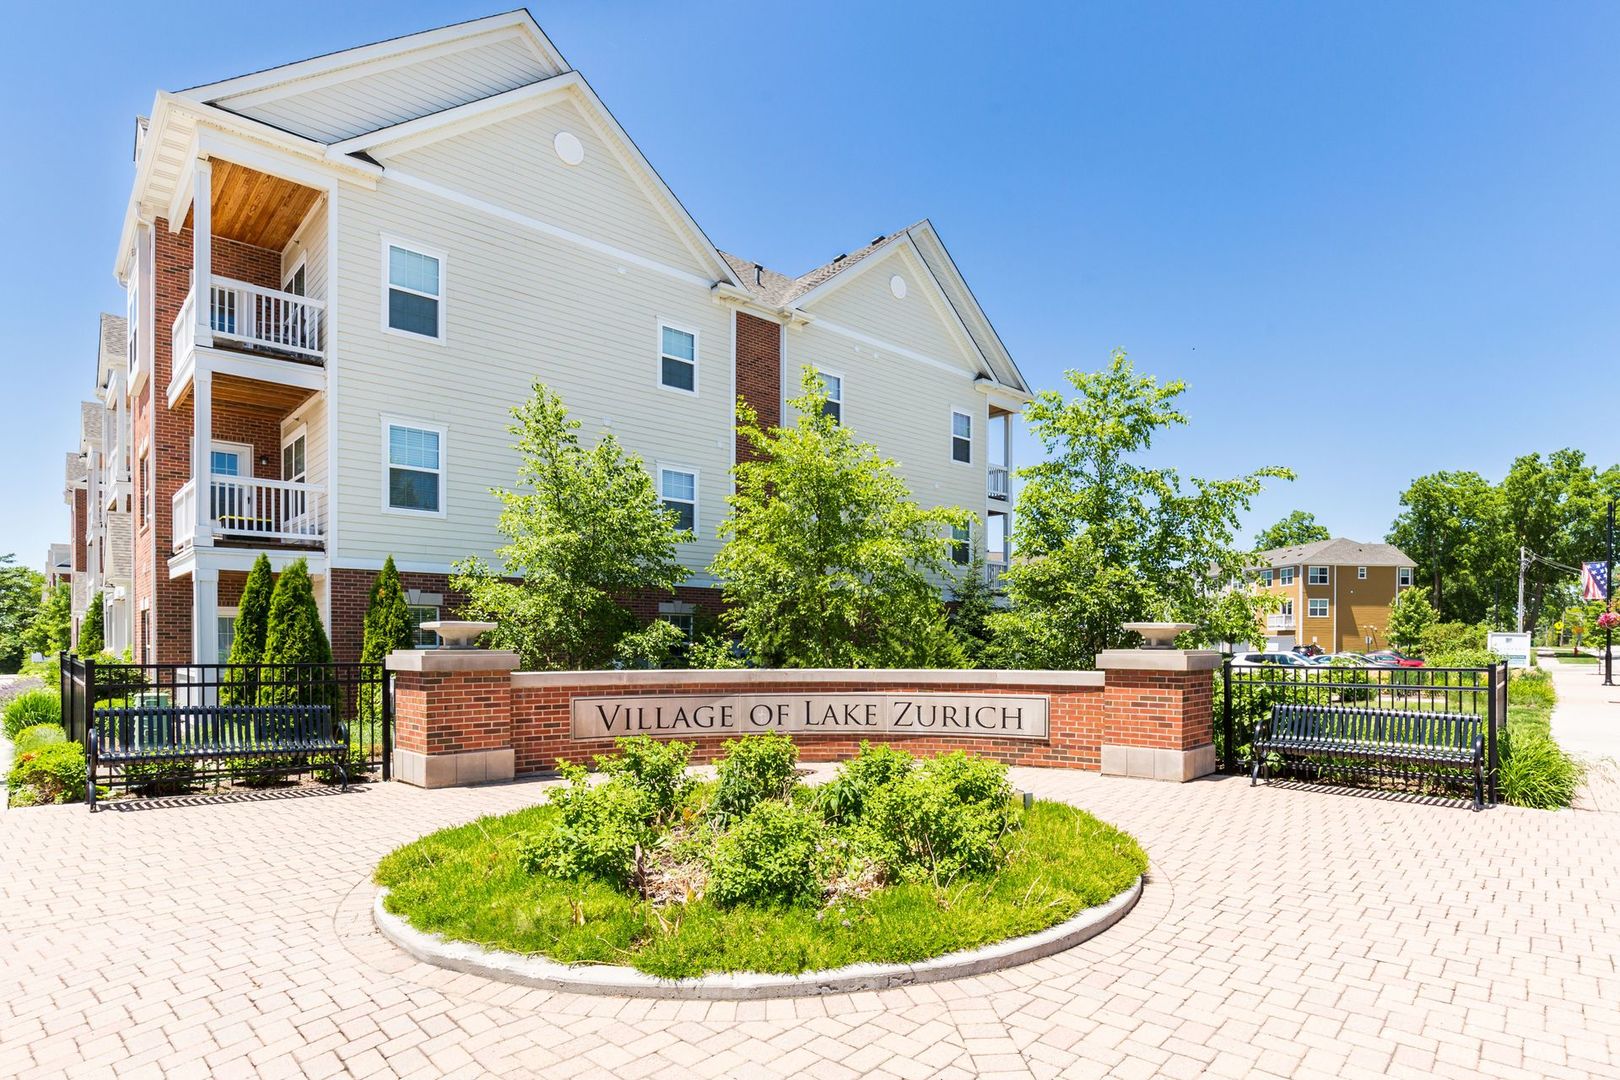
(274, 397)
(256, 208)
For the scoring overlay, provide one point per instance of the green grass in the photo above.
(466, 883)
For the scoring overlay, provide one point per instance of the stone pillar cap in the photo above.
(1168, 660)
(452, 660)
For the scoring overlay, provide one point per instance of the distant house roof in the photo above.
(1336, 552)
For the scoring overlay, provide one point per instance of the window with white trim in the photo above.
(1403, 577)
(415, 292)
(1316, 575)
(1361, 573)
(677, 358)
(415, 465)
(226, 624)
(1285, 576)
(834, 387)
(678, 490)
(961, 437)
(961, 545)
(1265, 578)
(146, 489)
(682, 621)
(1317, 607)
(1287, 608)
(419, 614)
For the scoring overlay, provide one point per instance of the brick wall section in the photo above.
(470, 710)
(169, 432)
(759, 372)
(645, 605)
(351, 589)
(1163, 710)
(541, 724)
(81, 562)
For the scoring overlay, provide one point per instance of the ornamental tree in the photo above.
(52, 626)
(295, 636)
(827, 560)
(247, 642)
(92, 632)
(585, 530)
(1410, 617)
(388, 618)
(1103, 539)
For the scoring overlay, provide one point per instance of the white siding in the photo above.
(309, 243)
(512, 164)
(520, 306)
(378, 99)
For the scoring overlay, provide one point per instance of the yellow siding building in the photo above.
(1336, 594)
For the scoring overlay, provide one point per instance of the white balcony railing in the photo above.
(993, 569)
(271, 510)
(1279, 622)
(254, 315)
(996, 482)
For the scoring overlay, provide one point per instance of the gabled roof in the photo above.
(1335, 552)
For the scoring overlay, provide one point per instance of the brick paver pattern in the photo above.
(1283, 932)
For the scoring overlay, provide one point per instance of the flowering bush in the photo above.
(1608, 620)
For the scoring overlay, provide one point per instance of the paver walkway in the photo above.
(1587, 718)
(1283, 932)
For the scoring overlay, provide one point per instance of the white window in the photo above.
(1316, 575)
(1403, 577)
(961, 545)
(677, 358)
(678, 490)
(146, 489)
(413, 458)
(961, 437)
(834, 386)
(681, 621)
(227, 632)
(1318, 607)
(1286, 575)
(1361, 573)
(1265, 578)
(419, 614)
(413, 303)
(1287, 608)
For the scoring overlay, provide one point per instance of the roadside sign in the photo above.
(1516, 647)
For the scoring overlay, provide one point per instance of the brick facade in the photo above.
(489, 709)
(759, 372)
(351, 590)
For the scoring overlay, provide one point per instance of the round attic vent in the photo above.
(569, 148)
(897, 285)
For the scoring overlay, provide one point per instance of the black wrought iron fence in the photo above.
(178, 727)
(1248, 694)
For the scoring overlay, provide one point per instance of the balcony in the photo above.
(1279, 622)
(267, 512)
(254, 318)
(994, 567)
(996, 483)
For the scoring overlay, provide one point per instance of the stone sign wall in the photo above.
(685, 715)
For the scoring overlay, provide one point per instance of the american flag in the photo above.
(1594, 581)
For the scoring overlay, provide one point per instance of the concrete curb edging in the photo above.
(613, 981)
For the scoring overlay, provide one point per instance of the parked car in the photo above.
(1307, 650)
(1391, 658)
(1270, 659)
(1341, 658)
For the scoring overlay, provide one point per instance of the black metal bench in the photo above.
(157, 733)
(1383, 741)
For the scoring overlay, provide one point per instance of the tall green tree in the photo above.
(93, 630)
(1104, 538)
(585, 529)
(388, 617)
(1294, 530)
(247, 643)
(827, 560)
(1450, 524)
(52, 629)
(972, 603)
(21, 595)
(295, 636)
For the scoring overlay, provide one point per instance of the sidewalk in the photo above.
(1587, 718)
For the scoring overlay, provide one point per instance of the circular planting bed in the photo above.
(650, 883)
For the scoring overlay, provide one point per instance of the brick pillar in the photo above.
(1158, 713)
(452, 716)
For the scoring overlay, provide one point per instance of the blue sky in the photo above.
(1376, 240)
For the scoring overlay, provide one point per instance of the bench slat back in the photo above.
(211, 728)
(1348, 725)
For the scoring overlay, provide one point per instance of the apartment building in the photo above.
(96, 489)
(342, 273)
(1335, 594)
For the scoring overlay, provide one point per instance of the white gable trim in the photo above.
(414, 134)
(316, 72)
(998, 347)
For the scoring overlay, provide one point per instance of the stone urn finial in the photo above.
(457, 633)
(1155, 635)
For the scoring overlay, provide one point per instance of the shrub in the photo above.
(945, 818)
(92, 631)
(247, 642)
(27, 709)
(53, 773)
(1532, 688)
(294, 636)
(768, 857)
(1462, 658)
(845, 797)
(1535, 771)
(598, 830)
(1449, 637)
(755, 768)
(654, 768)
(32, 738)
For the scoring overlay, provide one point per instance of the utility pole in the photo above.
(1524, 564)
